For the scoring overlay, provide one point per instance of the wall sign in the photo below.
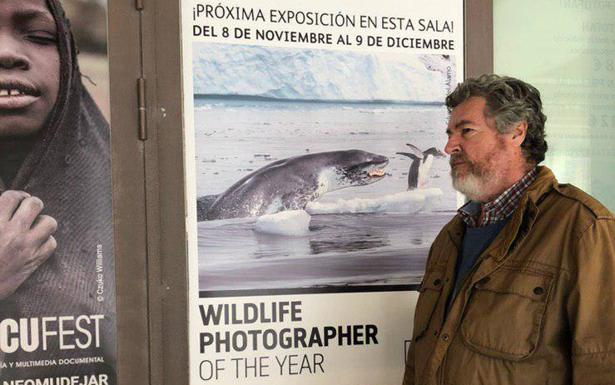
(314, 138)
(57, 286)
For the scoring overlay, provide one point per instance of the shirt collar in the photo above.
(499, 208)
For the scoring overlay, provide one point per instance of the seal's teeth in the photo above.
(376, 172)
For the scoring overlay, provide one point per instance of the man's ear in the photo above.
(519, 132)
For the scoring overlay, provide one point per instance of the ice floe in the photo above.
(402, 202)
(293, 223)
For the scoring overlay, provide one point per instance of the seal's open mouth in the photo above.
(376, 171)
(369, 171)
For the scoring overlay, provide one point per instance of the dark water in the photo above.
(340, 250)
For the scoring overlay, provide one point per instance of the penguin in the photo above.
(421, 164)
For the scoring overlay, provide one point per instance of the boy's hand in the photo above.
(25, 239)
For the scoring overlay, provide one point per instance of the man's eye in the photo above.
(466, 130)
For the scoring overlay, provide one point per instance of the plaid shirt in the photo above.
(499, 208)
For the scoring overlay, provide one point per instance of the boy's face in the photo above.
(29, 66)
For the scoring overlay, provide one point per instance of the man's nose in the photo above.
(11, 56)
(452, 145)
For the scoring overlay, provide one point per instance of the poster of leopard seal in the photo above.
(299, 177)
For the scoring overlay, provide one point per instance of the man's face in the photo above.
(480, 155)
(29, 66)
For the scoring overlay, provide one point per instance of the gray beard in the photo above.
(472, 185)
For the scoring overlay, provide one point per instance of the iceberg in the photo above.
(322, 75)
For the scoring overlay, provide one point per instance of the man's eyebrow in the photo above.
(463, 123)
(459, 124)
(32, 14)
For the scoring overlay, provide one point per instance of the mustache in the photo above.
(458, 158)
(23, 86)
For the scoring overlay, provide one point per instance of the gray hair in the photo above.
(509, 101)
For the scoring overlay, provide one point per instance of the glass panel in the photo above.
(565, 48)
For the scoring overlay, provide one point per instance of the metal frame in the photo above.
(128, 196)
(148, 179)
(478, 36)
(147, 158)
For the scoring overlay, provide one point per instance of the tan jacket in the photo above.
(539, 307)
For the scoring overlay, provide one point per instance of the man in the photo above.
(520, 286)
(57, 298)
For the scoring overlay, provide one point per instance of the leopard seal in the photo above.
(290, 184)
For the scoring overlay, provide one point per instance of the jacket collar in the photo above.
(544, 183)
